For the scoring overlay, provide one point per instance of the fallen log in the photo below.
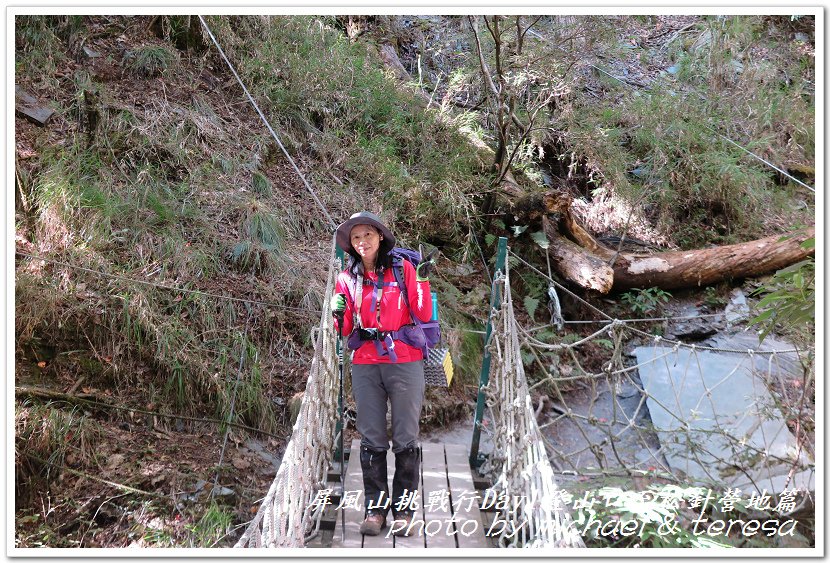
(575, 263)
(707, 266)
(688, 268)
(581, 259)
(24, 391)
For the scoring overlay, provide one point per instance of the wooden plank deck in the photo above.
(448, 512)
(438, 528)
(354, 514)
(465, 498)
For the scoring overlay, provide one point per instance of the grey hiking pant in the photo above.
(403, 384)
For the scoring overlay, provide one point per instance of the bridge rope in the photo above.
(288, 516)
(695, 438)
(536, 513)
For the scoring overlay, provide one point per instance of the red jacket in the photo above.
(393, 311)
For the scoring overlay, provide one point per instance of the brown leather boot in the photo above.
(406, 518)
(373, 524)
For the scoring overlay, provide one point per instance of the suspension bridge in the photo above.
(293, 510)
(458, 507)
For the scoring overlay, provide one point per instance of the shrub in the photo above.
(789, 298)
(646, 301)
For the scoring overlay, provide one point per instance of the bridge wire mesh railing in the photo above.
(712, 414)
(535, 514)
(288, 515)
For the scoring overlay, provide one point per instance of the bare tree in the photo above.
(522, 80)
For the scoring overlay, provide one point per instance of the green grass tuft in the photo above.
(151, 61)
(44, 436)
(261, 184)
(266, 228)
(213, 526)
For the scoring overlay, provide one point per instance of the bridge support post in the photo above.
(477, 459)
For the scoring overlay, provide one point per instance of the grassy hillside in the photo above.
(157, 173)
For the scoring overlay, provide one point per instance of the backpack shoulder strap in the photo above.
(400, 277)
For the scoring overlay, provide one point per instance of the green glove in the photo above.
(338, 304)
(425, 268)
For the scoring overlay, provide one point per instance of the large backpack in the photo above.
(432, 331)
(438, 368)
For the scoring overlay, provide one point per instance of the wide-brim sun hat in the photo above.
(343, 234)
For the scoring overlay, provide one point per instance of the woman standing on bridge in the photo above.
(384, 365)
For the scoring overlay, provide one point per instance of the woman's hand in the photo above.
(425, 268)
(338, 304)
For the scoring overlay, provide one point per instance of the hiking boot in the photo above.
(373, 524)
(406, 518)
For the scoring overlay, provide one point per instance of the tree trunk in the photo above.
(578, 257)
(575, 263)
(390, 58)
(707, 266)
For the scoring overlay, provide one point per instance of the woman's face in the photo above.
(365, 240)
